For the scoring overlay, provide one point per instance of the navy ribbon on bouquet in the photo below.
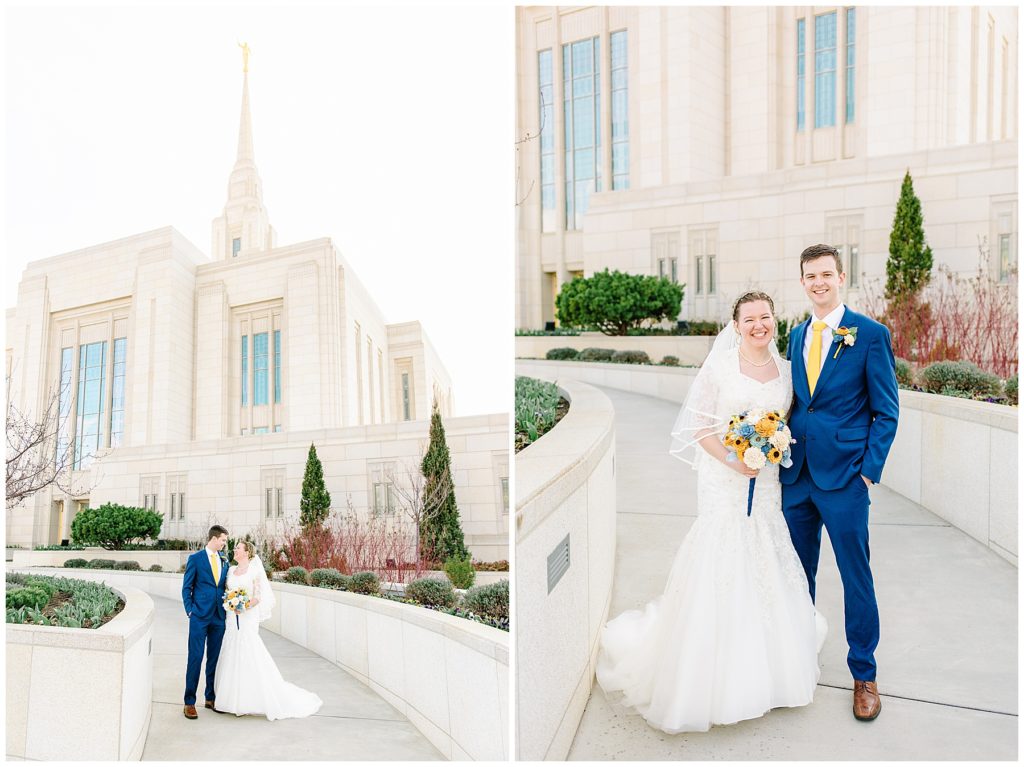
(750, 495)
(236, 614)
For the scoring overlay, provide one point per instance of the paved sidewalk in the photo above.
(948, 606)
(354, 722)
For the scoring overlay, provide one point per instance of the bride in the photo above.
(734, 634)
(248, 681)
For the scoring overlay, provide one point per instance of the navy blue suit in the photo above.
(204, 604)
(843, 431)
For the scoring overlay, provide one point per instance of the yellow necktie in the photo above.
(215, 560)
(814, 355)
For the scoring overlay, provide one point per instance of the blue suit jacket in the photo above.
(847, 427)
(204, 599)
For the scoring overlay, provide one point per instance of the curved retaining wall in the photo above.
(955, 457)
(447, 675)
(565, 489)
(691, 350)
(82, 694)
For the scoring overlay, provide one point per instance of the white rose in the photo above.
(754, 459)
(755, 415)
(848, 340)
(780, 440)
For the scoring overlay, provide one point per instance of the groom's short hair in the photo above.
(817, 251)
(216, 532)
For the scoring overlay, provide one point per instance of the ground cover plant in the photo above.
(47, 601)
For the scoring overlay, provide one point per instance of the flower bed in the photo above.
(539, 407)
(47, 601)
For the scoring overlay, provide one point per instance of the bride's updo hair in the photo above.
(250, 548)
(749, 297)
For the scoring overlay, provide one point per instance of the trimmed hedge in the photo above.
(432, 592)
(127, 565)
(670, 360)
(594, 354)
(102, 564)
(1011, 390)
(631, 357)
(365, 583)
(298, 575)
(329, 578)
(490, 600)
(76, 562)
(562, 353)
(959, 379)
(904, 373)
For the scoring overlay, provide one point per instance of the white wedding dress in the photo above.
(247, 680)
(734, 634)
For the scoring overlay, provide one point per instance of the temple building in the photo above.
(194, 385)
(711, 145)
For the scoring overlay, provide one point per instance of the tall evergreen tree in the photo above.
(316, 501)
(910, 260)
(441, 531)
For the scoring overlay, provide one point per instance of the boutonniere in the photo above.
(845, 337)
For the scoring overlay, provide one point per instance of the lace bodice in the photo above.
(738, 392)
(244, 581)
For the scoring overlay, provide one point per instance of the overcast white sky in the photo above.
(389, 130)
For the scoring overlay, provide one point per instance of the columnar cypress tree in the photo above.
(441, 531)
(910, 261)
(316, 501)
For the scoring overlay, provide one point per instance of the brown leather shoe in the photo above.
(190, 712)
(210, 705)
(867, 704)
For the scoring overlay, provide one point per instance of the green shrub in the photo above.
(298, 575)
(329, 578)
(77, 562)
(670, 361)
(365, 583)
(616, 302)
(562, 353)
(112, 526)
(32, 596)
(176, 544)
(701, 328)
(594, 354)
(904, 373)
(102, 564)
(128, 564)
(631, 357)
(490, 600)
(460, 572)
(432, 592)
(1011, 390)
(155, 569)
(959, 379)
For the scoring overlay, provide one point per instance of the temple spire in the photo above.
(244, 226)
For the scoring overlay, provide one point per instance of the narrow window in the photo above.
(620, 112)
(117, 402)
(800, 73)
(581, 110)
(547, 141)
(825, 70)
(236, 245)
(851, 37)
(259, 368)
(277, 367)
(245, 370)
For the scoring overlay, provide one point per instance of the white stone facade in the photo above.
(719, 180)
(191, 365)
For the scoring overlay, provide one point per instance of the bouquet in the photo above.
(236, 601)
(758, 437)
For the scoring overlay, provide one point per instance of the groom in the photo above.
(845, 410)
(202, 592)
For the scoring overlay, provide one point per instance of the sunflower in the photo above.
(774, 455)
(765, 427)
(742, 445)
(774, 415)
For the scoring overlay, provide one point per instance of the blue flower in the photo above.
(758, 441)
(746, 429)
(786, 461)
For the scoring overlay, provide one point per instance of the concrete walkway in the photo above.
(948, 653)
(354, 722)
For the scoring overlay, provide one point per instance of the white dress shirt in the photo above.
(831, 320)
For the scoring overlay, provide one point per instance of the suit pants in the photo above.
(844, 513)
(208, 632)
